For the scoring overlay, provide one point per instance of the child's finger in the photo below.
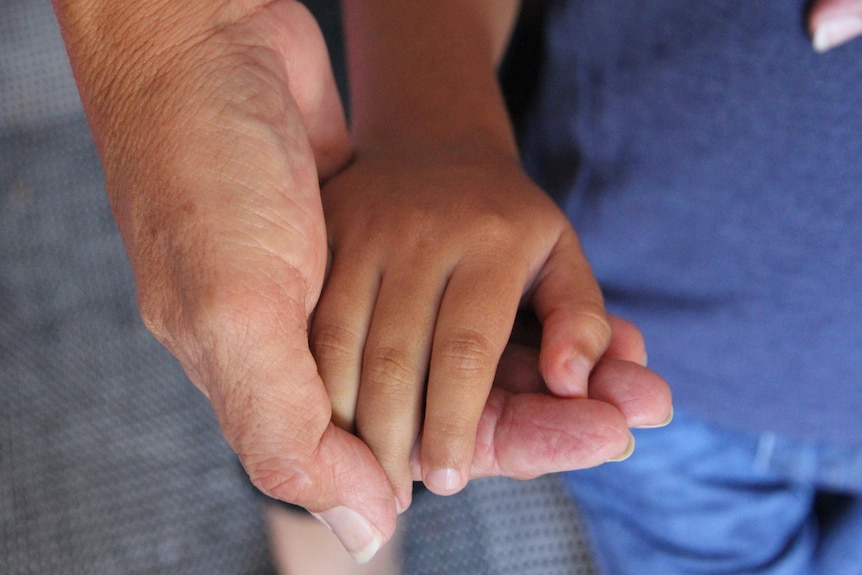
(575, 327)
(518, 370)
(394, 368)
(338, 333)
(619, 378)
(627, 341)
(473, 325)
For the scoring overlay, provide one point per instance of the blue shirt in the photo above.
(711, 163)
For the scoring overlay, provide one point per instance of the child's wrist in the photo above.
(473, 144)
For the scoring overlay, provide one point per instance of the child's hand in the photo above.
(433, 252)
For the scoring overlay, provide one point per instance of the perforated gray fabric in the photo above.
(110, 460)
(34, 77)
(497, 526)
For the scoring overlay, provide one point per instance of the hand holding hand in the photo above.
(434, 251)
(527, 431)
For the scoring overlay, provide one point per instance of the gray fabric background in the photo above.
(110, 461)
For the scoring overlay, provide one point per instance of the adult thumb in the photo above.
(834, 22)
(275, 414)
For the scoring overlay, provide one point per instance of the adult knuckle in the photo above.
(280, 479)
(242, 317)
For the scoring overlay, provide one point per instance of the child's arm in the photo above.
(438, 237)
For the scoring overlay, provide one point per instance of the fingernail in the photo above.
(664, 423)
(356, 533)
(443, 481)
(402, 506)
(627, 453)
(645, 359)
(836, 31)
(579, 371)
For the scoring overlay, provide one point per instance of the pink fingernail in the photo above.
(361, 539)
(443, 481)
(836, 31)
(579, 370)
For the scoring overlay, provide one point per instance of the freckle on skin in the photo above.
(188, 208)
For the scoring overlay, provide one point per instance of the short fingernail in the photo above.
(402, 504)
(664, 423)
(836, 31)
(578, 369)
(443, 481)
(627, 453)
(361, 539)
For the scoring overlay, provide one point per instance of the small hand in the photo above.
(434, 250)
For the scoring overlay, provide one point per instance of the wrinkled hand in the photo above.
(214, 131)
(834, 22)
(433, 253)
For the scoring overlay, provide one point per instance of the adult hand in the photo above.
(834, 22)
(210, 118)
(526, 430)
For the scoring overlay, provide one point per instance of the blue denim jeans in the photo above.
(698, 499)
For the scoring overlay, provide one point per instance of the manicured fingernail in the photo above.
(836, 31)
(627, 453)
(579, 372)
(443, 481)
(356, 533)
